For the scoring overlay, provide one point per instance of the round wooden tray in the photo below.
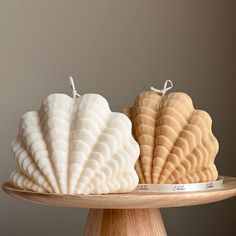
(133, 214)
(127, 200)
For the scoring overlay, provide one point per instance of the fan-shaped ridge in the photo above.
(75, 146)
(176, 141)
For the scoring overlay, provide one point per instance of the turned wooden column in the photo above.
(124, 222)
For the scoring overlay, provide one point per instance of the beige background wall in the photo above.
(117, 48)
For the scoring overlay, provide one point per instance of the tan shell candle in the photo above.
(176, 141)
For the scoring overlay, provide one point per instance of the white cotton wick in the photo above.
(165, 88)
(74, 91)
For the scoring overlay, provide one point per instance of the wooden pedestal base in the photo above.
(125, 222)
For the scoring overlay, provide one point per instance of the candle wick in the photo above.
(165, 88)
(74, 91)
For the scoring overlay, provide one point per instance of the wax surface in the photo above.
(75, 146)
(176, 140)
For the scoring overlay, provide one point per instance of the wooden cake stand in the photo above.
(131, 214)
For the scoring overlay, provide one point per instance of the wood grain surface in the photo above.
(127, 200)
(125, 222)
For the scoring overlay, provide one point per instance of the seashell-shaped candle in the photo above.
(75, 146)
(176, 140)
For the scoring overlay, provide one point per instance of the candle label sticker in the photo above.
(148, 188)
(179, 188)
(143, 187)
(210, 185)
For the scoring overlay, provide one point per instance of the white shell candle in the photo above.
(75, 146)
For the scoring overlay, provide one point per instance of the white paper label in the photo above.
(218, 184)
